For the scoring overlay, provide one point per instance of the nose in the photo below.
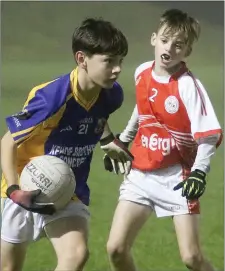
(168, 46)
(116, 69)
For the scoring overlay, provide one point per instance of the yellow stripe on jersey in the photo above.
(18, 141)
(45, 123)
(78, 95)
(69, 97)
(23, 132)
(30, 97)
(34, 90)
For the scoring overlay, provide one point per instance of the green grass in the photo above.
(156, 247)
(36, 48)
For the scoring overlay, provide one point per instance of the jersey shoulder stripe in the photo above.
(43, 101)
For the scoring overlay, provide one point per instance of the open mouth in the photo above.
(165, 57)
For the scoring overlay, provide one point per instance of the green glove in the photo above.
(194, 186)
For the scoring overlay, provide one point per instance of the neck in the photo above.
(85, 85)
(160, 71)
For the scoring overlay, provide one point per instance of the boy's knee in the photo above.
(82, 255)
(193, 260)
(117, 251)
(73, 260)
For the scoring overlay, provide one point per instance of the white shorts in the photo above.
(19, 225)
(155, 189)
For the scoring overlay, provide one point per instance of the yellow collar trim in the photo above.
(86, 104)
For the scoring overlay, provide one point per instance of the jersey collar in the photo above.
(86, 104)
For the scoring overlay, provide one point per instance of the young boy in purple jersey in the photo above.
(66, 118)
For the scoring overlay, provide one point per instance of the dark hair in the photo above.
(96, 36)
(176, 20)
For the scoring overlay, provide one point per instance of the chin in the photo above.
(169, 65)
(108, 85)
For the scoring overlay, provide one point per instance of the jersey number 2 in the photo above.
(155, 92)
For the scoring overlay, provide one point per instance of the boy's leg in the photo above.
(168, 202)
(128, 219)
(187, 231)
(132, 211)
(15, 234)
(68, 233)
(12, 256)
(185, 216)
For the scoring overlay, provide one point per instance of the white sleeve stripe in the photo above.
(203, 107)
(144, 66)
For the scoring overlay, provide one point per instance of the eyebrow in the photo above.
(168, 36)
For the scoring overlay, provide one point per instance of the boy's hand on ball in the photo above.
(26, 199)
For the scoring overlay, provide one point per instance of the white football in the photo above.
(53, 176)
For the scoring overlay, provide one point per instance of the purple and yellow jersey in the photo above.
(56, 120)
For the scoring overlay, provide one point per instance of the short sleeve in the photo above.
(41, 103)
(141, 68)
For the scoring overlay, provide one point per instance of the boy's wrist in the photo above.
(11, 189)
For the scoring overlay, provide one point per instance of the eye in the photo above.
(178, 46)
(163, 40)
(121, 61)
(108, 60)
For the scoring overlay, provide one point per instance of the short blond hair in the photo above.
(177, 21)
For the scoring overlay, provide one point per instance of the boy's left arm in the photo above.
(207, 133)
(194, 186)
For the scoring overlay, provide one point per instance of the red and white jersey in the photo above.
(175, 115)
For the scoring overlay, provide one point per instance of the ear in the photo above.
(80, 58)
(189, 50)
(153, 39)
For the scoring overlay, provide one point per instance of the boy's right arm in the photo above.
(131, 129)
(40, 105)
(8, 159)
(25, 199)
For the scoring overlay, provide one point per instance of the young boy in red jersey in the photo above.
(175, 132)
